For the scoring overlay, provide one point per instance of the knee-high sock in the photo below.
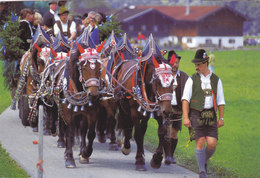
(200, 157)
(174, 143)
(209, 153)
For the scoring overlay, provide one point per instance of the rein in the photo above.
(144, 105)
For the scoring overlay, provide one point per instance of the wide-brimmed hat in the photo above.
(52, 2)
(172, 52)
(200, 56)
(63, 10)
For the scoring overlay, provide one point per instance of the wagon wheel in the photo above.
(24, 110)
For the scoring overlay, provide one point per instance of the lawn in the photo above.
(8, 167)
(238, 149)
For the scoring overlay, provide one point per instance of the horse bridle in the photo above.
(165, 96)
(91, 82)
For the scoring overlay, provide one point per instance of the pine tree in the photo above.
(10, 43)
(109, 25)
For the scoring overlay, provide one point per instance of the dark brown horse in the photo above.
(80, 94)
(144, 84)
(114, 52)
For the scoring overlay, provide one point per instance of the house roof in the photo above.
(196, 12)
(126, 14)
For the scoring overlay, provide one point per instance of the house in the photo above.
(147, 21)
(204, 26)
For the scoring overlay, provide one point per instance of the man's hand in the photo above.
(220, 123)
(187, 122)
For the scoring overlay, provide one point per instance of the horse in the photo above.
(32, 65)
(144, 84)
(79, 91)
(114, 52)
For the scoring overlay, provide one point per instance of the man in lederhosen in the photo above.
(180, 79)
(202, 96)
(66, 26)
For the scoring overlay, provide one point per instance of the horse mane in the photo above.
(73, 69)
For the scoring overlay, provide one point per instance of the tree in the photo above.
(107, 28)
(10, 51)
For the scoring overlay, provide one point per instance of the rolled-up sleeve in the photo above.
(187, 92)
(220, 94)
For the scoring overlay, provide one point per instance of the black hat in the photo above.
(52, 2)
(172, 55)
(200, 56)
(172, 52)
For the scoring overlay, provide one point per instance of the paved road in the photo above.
(18, 141)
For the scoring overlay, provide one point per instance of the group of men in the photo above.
(57, 20)
(197, 99)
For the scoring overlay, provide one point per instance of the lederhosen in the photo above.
(66, 34)
(177, 109)
(203, 121)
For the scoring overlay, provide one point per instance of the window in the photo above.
(131, 28)
(208, 41)
(155, 28)
(189, 40)
(231, 41)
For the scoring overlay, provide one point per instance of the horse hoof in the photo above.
(60, 144)
(155, 165)
(83, 160)
(46, 132)
(119, 141)
(102, 138)
(113, 147)
(125, 151)
(140, 167)
(169, 160)
(35, 129)
(70, 163)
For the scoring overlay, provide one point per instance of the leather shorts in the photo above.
(204, 123)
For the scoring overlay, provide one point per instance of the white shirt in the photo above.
(175, 84)
(205, 84)
(64, 27)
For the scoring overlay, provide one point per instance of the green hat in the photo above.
(200, 56)
(63, 10)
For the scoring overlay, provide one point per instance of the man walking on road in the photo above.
(203, 94)
(180, 79)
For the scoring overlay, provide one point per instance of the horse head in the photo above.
(162, 81)
(89, 66)
(41, 59)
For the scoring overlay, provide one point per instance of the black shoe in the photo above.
(203, 174)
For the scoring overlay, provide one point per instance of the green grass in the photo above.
(8, 167)
(238, 149)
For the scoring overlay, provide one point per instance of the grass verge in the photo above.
(8, 167)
